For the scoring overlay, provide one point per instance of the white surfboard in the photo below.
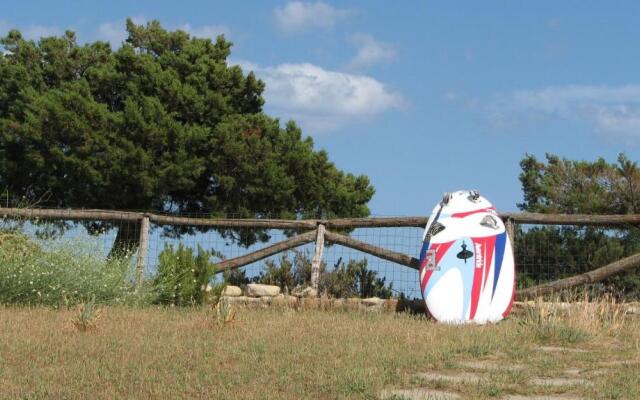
(467, 271)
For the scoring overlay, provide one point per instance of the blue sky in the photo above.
(423, 97)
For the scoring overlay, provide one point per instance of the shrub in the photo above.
(351, 280)
(63, 273)
(354, 280)
(183, 276)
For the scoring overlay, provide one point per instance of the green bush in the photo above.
(63, 273)
(354, 280)
(183, 276)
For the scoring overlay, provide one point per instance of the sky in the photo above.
(422, 97)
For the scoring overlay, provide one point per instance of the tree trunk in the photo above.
(127, 239)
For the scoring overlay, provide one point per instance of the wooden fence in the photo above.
(319, 231)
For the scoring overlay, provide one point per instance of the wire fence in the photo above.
(543, 253)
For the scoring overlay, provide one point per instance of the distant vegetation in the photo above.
(579, 187)
(62, 273)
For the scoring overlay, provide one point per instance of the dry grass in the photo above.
(284, 354)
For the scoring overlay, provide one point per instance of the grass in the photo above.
(283, 354)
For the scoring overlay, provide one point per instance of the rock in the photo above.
(338, 304)
(373, 302)
(232, 291)
(561, 382)
(310, 303)
(259, 290)
(460, 377)
(352, 303)
(282, 300)
(242, 301)
(418, 394)
(305, 292)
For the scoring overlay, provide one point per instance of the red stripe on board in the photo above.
(483, 254)
(441, 250)
(464, 214)
(488, 248)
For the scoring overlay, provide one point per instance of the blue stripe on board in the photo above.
(501, 240)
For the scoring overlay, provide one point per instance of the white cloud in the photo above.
(206, 31)
(609, 110)
(35, 32)
(297, 16)
(115, 32)
(370, 51)
(31, 32)
(323, 100)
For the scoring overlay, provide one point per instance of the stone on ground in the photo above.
(461, 377)
(259, 290)
(561, 382)
(555, 349)
(491, 365)
(541, 397)
(418, 394)
(232, 291)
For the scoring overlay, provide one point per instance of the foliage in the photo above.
(63, 273)
(354, 280)
(183, 276)
(289, 273)
(235, 277)
(565, 186)
(224, 312)
(163, 123)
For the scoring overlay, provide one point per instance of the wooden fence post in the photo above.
(317, 257)
(142, 249)
(509, 227)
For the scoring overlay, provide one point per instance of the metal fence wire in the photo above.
(543, 253)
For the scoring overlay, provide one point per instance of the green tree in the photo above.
(565, 186)
(163, 123)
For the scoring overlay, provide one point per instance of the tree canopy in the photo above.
(560, 185)
(565, 186)
(163, 123)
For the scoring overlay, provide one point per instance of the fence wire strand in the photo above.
(542, 253)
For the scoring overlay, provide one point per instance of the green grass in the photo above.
(283, 354)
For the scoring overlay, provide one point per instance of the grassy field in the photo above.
(285, 354)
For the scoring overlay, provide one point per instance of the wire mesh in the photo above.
(542, 253)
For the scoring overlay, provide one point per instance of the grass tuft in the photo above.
(87, 317)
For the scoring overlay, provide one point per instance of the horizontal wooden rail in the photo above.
(234, 223)
(337, 223)
(78, 215)
(572, 219)
(593, 276)
(379, 252)
(384, 222)
(258, 255)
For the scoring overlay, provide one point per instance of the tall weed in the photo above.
(64, 273)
